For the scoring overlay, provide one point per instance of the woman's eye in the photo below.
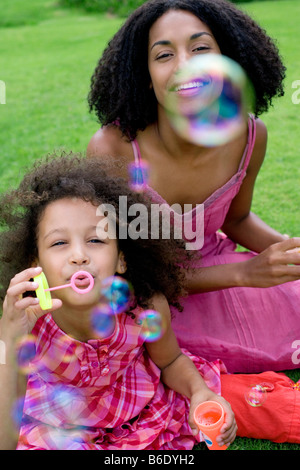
(201, 48)
(164, 56)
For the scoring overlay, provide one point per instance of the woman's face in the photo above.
(175, 38)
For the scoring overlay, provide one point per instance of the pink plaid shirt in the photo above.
(104, 394)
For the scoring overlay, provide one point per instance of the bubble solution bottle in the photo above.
(210, 417)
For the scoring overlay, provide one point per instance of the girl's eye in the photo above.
(59, 243)
(96, 240)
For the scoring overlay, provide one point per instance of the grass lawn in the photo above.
(47, 56)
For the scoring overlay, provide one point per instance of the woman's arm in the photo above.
(241, 225)
(180, 374)
(274, 264)
(278, 264)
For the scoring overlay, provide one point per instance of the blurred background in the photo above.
(48, 51)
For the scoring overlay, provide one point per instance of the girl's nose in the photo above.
(79, 257)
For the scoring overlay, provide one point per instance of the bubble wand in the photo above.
(43, 291)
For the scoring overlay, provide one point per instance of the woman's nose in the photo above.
(183, 57)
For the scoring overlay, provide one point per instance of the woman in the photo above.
(242, 307)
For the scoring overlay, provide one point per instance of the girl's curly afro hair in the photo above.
(120, 89)
(152, 264)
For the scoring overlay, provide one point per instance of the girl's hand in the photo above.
(229, 428)
(278, 264)
(20, 314)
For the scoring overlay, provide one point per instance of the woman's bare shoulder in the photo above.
(109, 141)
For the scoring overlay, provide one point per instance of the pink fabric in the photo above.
(250, 329)
(103, 394)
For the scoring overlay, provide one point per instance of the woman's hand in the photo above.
(20, 314)
(229, 428)
(277, 264)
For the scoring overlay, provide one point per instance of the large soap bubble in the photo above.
(256, 395)
(153, 325)
(209, 99)
(116, 294)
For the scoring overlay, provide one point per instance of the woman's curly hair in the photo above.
(152, 264)
(120, 90)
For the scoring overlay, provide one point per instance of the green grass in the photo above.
(277, 196)
(47, 56)
(46, 68)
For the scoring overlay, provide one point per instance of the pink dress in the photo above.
(103, 394)
(249, 329)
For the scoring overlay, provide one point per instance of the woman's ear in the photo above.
(121, 266)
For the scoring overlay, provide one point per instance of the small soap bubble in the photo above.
(209, 100)
(64, 439)
(26, 351)
(17, 411)
(138, 175)
(102, 323)
(153, 325)
(256, 395)
(64, 403)
(115, 295)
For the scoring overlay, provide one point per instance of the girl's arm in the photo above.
(180, 374)
(19, 317)
(12, 388)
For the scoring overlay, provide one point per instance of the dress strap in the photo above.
(245, 158)
(136, 152)
(250, 144)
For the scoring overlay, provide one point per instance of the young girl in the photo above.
(85, 390)
(243, 307)
(110, 390)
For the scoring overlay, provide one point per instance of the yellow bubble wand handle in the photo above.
(42, 292)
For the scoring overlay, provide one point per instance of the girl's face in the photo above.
(174, 38)
(68, 242)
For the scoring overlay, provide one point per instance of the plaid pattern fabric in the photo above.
(104, 394)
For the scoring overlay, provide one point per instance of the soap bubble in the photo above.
(153, 325)
(26, 351)
(102, 323)
(138, 175)
(64, 439)
(256, 395)
(17, 411)
(209, 99)
(115, 295)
